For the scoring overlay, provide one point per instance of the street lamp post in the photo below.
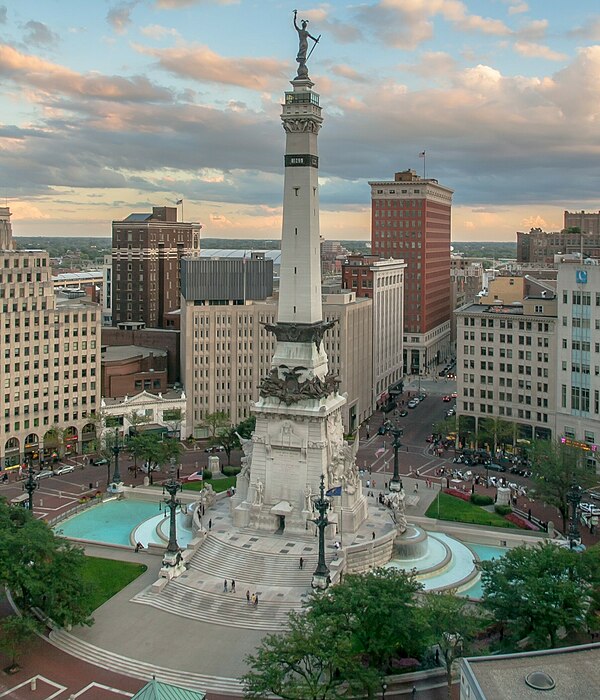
(117, 447)
(30, 486)
(396, 433)
(320, 578)
(172, 564)
(574, 499)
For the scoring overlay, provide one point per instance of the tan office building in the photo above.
(49, 372)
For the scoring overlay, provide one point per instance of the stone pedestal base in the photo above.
(320, 581)
(411, 544)
(172, 565)
(395, 485)
(502, 496)
(115, 487)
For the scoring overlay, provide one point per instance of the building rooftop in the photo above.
(113, 353)
(144, 396)
(77, 276)
(274, 255)
(574, 670)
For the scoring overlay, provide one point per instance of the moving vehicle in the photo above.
(63, 469)
(44, 474)
(492, 466)
(413, 403)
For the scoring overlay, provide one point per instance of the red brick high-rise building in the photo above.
(411, 219)
(146, 256)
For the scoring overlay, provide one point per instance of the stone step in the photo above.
(136, 668)
(223, 560)
(228, 609)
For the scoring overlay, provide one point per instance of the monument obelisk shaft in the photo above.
(298, 439)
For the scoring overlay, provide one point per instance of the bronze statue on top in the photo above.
(303, 36)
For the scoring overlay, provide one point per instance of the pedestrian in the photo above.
(414, 691)
(401, 486)
(373, 483)
(233, 585)
(225, 586)
(373, 535)
(368, 483)
(256, 600)
(248, 597)
(210, 524)
(416, 486)
(301, 563)
(529, 514)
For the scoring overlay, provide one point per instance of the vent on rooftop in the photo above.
(538, 680)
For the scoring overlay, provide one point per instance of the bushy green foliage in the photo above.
(503, 510)
(480, 499)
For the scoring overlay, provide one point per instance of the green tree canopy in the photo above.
(15, 632)
(555, 467)
(42, 570)
(452, 626)
(215, 422)
(534, 591)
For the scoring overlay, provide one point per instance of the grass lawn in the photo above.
(108, 577)
(217, 484)
(452, 508)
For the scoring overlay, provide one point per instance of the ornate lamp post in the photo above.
(320, 578)
(574, 499)
(396, 432)
(30, 485)
(117, 447)
(172, 561)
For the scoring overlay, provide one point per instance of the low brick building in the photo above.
(130, 369)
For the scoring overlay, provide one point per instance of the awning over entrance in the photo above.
(282, 508)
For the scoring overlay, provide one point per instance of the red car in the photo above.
(446, 398)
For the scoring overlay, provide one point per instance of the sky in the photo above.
(109, 108)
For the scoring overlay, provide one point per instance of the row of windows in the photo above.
(38, 262)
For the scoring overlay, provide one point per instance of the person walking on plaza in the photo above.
(233, 585)
(225, 586)
(256, 600)
(248, 597)
(301, 563)
(210, 524)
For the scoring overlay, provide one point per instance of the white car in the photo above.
(64, 469)
(412, 403)
(44, 474)
(589, 509)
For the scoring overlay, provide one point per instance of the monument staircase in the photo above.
(275, 576)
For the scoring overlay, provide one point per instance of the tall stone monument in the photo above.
(299, 431)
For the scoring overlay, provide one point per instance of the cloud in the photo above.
(345, 71)
(532, 50)
(589, 31)
(157, 31)
(437, 65)
(204, 65)
(533, 30)
(344, 32)
(119, 16)
(39, 34)
(3, 14)
(405, 24)
(50, 77)
(518, 8)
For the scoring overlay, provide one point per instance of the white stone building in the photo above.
(166, 410)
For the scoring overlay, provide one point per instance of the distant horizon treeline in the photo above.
(94, 249)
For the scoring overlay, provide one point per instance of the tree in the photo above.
(42, 570)
(230, 441)
(15, 632)
(555, 467)
(174, 417)
(169, 449)
(377, 613)
(215, 422)
(247, 427)
(136, 418)
(302, 663)
(452, 627)
(149, 448)
(495, 431)
(534, 591)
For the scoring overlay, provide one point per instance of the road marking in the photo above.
(109, 688)
(60, 688)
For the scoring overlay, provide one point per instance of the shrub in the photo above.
(480, 499)
(207, 474)
(231, 471)
(503, 510)
(457, 494)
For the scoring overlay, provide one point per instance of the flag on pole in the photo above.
(196, 476)
(179, 201)
(335, 491)
(422, 154)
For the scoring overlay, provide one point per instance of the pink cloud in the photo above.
(43, 75)
(202, 64)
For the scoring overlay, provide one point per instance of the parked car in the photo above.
(422, 396)
(381, 430)
(446, 399)
(413, 403)
(449, 413)
(63, 469)
(147, 468)
(44, 474)
(442, 373)
(102, 462)
(589, 509)
(492, 466)
(403, 413)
